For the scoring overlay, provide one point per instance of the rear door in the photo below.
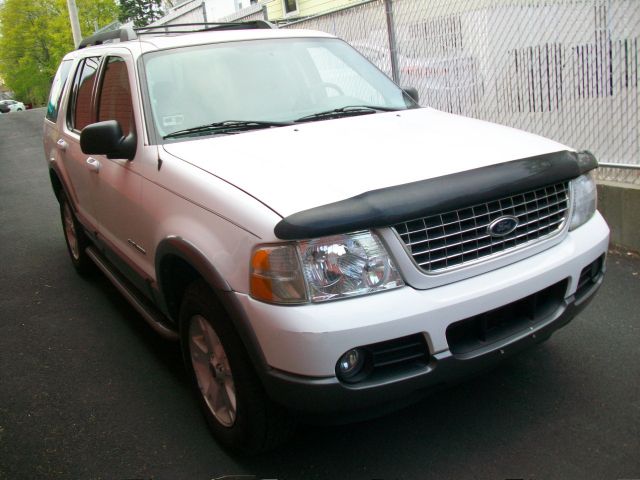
(82, 180)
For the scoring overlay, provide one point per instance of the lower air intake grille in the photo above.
(485, 329)
(589, 276)
(401, 351)
(452, 239)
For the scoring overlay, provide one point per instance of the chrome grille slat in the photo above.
(484, 226)
(455, 238)
(489, 245)
(528, 212)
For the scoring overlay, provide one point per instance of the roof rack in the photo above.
(178, 27)
(120, 35)
(126, 34)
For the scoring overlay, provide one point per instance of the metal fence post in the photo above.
(204, 12)
(391, 33)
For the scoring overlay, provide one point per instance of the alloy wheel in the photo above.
(212, 371)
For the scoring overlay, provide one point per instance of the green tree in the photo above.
(141, 12)
(96, 13)
(36, 34)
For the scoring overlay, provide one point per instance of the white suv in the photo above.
(321, 245)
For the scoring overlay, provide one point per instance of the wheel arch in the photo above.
(56, 183)
(178, 263)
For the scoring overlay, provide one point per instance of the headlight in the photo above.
(322, 269)
(584, 199)
(347, 265)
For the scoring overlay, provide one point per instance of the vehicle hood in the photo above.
(295, 168)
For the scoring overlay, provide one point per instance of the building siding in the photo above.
(306, 8)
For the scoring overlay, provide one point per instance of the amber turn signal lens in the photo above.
(276, 276)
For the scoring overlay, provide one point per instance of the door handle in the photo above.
(93, 164)
(62, 145)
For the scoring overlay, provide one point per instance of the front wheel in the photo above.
(236, 407)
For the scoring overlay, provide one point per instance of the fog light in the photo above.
(351, 364)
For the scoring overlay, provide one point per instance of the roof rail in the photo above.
(111, 36)
(125, 34)
(204, 27)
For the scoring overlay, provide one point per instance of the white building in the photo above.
(196, 11)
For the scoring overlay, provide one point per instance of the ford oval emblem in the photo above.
(502, 226)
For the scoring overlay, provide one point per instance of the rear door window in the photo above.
(114, 101)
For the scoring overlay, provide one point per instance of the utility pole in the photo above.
(75, 25)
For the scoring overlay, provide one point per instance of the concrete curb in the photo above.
(619, 203)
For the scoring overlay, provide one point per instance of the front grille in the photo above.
(449, 240)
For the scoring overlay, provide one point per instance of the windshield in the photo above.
(271, 81)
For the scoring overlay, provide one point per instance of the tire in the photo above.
(238, 411)
(75, 238)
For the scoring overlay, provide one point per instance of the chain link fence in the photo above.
(564, 69)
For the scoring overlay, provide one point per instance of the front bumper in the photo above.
(300, 345)
(328, 397)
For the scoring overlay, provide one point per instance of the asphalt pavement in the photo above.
(88, 391)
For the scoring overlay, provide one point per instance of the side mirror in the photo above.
(106, 138)
(413, 93)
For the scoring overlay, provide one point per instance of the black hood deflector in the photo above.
(391, 205)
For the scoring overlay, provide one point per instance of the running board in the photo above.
(154, 318)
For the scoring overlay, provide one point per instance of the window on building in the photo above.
(290, 6)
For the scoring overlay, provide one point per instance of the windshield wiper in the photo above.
(345, 111)
(227, 126)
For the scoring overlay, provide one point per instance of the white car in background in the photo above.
(12, 105)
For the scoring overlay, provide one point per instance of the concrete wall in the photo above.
(619, 203)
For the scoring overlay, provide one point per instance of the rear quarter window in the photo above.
(57, 87)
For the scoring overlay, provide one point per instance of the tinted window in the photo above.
(56, 90)
(82, 89)
(115, 95)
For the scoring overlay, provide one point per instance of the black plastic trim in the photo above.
(134, 296)
(182, 248)
(121, 35)
(127, 33)
(387, 206)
